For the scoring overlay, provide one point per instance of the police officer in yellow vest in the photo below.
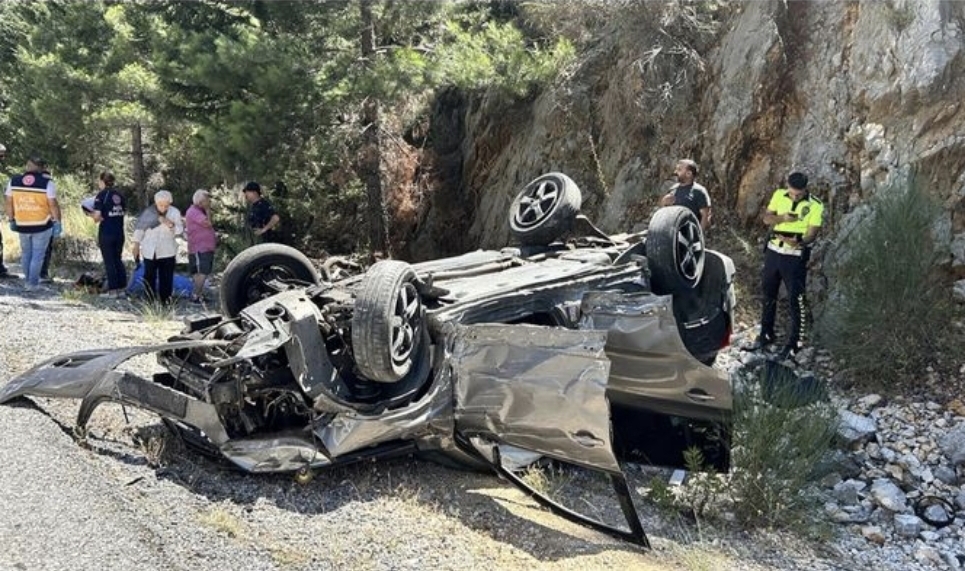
(795, 217)
(33, 212)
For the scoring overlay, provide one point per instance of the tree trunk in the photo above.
(137, 170)
(370, 161)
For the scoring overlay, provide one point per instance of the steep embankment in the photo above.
(858, 94)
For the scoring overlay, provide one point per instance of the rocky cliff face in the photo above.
(861, 95)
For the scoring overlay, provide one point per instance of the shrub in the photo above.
(783, 429)
(887, 307)
(781, 436)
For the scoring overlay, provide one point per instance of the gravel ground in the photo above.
(131, 497)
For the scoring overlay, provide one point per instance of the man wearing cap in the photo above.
(795, 217)
(33, 212)
(3, 269)
(687, 192)
(262, 217)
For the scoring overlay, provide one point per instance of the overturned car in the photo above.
(544, 347)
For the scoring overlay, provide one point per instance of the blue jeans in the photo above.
(33, 248)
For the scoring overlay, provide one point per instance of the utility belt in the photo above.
(780, 248)
(775, 243)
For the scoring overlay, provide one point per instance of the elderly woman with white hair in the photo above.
(155, 243)
(202, 241)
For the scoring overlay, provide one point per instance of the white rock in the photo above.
(928, 555)
(937, 513)
(907, 525)
(895, 471)
(870, 401)
(873, 534)
(953, 445)
(960, 500)
(929, 536)
(958, 290)
(854, 428)
(845, 493)
(888, 495)
(909, 461)
(887, 454)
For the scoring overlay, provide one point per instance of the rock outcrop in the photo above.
(861, 94)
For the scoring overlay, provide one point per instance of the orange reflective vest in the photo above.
(29, 193)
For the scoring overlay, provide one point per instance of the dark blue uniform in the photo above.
(110, 236)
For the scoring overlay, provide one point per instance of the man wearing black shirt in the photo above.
(262, 217)
(687, 192)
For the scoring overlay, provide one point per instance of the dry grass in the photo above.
(223, 521)
(701, 557)
(11, 246)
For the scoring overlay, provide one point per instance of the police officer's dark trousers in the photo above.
(792, 271)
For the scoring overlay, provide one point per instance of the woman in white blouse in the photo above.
(154, 242)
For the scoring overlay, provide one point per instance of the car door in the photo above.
(650, 368)
(543, 390)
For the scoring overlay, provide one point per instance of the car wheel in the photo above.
(247, 277)
(545, 209)
(388, 323)
(675, 250)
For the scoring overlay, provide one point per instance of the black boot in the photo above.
(763, 342)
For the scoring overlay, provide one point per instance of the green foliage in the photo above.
(778, 450)
(224, 91)
(70, 191)
(887, 304)
(496, 55)
(778, 446)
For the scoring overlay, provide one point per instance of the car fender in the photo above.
(93, 376)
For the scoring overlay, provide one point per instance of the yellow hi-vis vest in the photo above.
(809, 210)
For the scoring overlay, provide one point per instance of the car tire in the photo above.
(545, 209)
(388, 322)
(245, 279)
(675, 250)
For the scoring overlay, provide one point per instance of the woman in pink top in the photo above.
(201, 242)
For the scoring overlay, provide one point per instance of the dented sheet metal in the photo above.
(537, 388)
(648, 359)
(93, 377)
(74, 375)
(432, 413)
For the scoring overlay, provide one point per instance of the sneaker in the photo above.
(5, 275)
(46, 280)
(762, 342)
